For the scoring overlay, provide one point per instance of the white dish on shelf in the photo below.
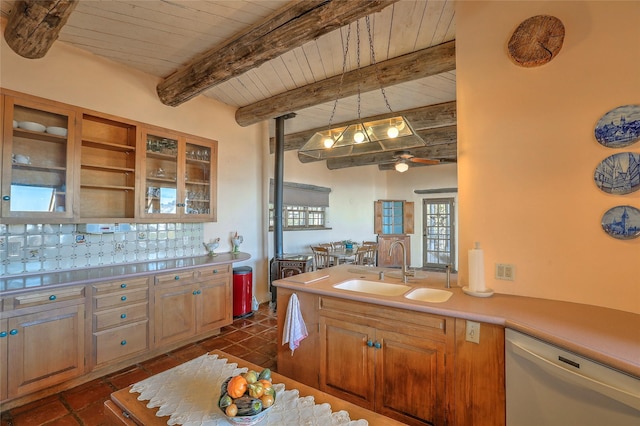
(30, 125)
(59, 131)
(15, 124)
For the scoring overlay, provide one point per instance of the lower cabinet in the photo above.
(191, 303)
(415, 367)
(396, 368)
(120, 319)
(55, 331)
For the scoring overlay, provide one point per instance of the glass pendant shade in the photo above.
(401, 167)
(388, 134)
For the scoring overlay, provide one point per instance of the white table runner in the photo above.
(189, 394)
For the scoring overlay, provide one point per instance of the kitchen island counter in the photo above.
(608, 336)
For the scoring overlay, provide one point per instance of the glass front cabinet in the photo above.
(179, 176)
(37, 159)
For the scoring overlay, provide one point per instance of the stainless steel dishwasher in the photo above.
(549, 386)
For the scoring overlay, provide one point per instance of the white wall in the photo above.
(527, 151)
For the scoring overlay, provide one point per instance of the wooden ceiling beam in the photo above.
(288, 28)
(441, 144)
(34, 25)
(427, 117)
(412, 66)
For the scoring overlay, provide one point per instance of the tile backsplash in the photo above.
(37, 248)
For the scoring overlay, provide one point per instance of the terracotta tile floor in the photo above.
(253, 339)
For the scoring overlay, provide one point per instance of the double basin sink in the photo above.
(381, 288)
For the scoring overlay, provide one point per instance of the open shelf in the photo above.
(95, 143)
(108, 168)
(40, 136)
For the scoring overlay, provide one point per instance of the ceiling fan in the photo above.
(403, 158)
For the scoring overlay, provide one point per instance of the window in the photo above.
(304, 206)
(439, 232)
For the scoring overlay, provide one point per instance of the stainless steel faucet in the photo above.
(405, 270)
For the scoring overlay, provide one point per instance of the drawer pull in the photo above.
(215, 271)
(195, 292)
(123, 298)
(124, 342)
(123, 285)
(177, 277)
(52, 297)
(3, 334)
(123, 316)
(13, 332)
(377, 345)
(369, 343)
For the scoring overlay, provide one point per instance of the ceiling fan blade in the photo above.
(424, 160)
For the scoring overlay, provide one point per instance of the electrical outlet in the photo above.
(473, 332)
(505, 271)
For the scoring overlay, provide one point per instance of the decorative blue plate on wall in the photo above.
(619, 173)
(619, 127)
(622, 222)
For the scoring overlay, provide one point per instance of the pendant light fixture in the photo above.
(361, 137)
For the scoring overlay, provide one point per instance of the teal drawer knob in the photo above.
(369, 343)
(3, 334)
(13, 332)
(124, 342)
(123, 316)
(123, 285)
(52, 297)
(195, 292)
(199, 291)
(123, 298)
(377, 345)
(177, 277)
(215, 271)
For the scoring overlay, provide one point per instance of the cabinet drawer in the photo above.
(125, 284)
(120, 316)
(121, 342)
(186, 277)
(213, 271)
(120, 298)
(51, 296)
(385, 315)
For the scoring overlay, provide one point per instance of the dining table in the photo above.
(343, 255)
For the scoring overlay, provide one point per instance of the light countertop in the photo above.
(18, 283)
(605, 335)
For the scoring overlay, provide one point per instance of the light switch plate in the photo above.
(473, 332)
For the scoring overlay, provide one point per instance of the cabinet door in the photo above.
(4, 338)
(346, 361)
(58, 332)
(163, 175)
(395, 258)
(410, 378)
(175, 315)
(200, 178)
(213, 307)
(37, 166)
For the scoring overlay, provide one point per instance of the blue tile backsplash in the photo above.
(35, 248)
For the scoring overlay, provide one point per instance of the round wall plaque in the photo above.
(536, 41)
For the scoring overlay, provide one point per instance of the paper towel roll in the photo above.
(476, 269)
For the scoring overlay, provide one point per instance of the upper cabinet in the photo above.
(37, 159)
(66, 164)
(107, 159)
(179, 176)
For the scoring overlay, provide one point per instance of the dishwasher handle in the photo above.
(575, 377)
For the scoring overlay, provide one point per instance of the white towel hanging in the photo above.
(294, 328)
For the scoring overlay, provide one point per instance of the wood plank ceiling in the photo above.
(160, 37)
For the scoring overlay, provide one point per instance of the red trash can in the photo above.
(242, 291)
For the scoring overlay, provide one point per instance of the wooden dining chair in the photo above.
(337, 245)
(361, 255)
(321, 257)
(372, 254)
